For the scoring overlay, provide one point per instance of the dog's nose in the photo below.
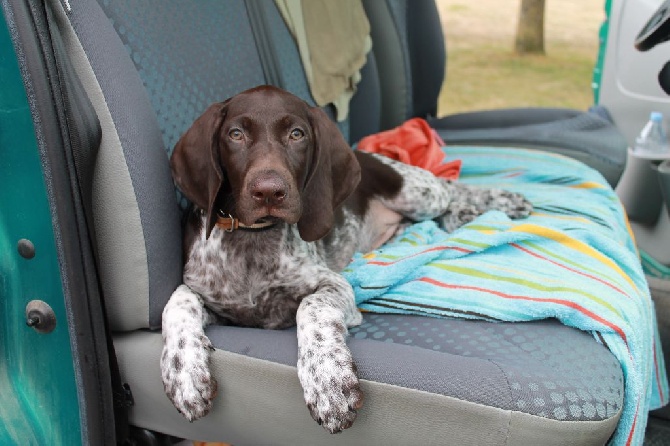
(268, 190)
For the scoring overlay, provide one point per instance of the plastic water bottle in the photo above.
(653, 139)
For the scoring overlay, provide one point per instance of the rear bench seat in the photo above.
(149, 69)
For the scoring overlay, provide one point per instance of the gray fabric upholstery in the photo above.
(539, 368)
(134, 210)
(429, 56)
(394, 82)
(398, 11)
(365, 107)
(185, 55)
(585, 136)
(260, 402)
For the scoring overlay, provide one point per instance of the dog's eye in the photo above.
(296, 134)
(236, 134)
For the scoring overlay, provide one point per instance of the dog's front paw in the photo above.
(187, 380)
(330, 385)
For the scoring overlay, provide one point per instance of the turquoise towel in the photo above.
(573, 259)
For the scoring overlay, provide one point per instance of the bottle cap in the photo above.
(656, 116)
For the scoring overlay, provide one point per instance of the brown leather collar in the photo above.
(229, 223)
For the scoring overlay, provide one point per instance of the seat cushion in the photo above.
(585, 136)
(500, 373)
(426, 381)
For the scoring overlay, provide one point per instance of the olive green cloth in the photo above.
(333, 39)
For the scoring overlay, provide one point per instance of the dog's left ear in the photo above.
(333, 175)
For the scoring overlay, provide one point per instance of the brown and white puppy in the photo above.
(266, 162)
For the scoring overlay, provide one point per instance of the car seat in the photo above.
(148, 69)
(411, 60)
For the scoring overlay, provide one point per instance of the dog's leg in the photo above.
(185, 358)
(325, 367)
(423, 196)
(470, 202)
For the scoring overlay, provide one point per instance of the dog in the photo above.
(280, 204)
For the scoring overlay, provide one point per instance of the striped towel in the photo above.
(573, 259)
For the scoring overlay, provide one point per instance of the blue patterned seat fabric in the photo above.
(548, 375)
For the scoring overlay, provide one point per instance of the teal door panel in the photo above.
(38, 390)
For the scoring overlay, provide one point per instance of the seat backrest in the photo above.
(410, 52)
(134, 209)
(150, 68)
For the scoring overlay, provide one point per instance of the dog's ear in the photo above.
(195, 162)
(333, 175)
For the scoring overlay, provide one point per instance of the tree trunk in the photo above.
(530, 29)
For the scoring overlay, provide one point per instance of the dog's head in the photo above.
(273, 154)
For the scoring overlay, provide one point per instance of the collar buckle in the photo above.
(227, 222)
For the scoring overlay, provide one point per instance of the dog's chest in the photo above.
(252, 279)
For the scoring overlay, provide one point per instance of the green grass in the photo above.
(486, 75)
(457, 8)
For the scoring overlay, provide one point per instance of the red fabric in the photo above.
(416, 143)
